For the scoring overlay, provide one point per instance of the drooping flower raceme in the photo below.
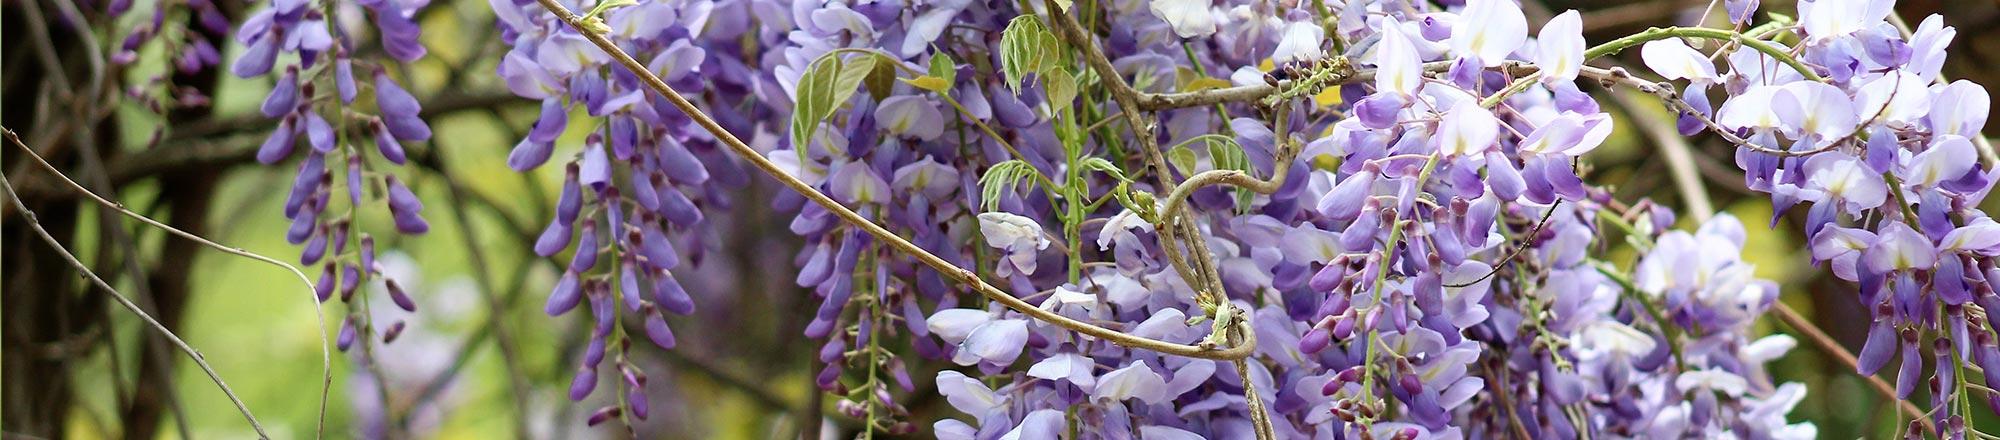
(1876, 145)
(1431, 264)
(307, 49)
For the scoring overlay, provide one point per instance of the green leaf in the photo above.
(882, 80)
(852, 73)
(1226, 154)
(1061, 87)
(1104, 166)
(1027, 46)
(931, 83)
(812, 101)
(599, 10)
(1002, 178)
(944, 68)
(1183, 159)
(829, 82)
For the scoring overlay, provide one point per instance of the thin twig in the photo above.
(28, 217)
(82, 111)
(745, 152)
(1827, 345)
(1526, 241)
(1254, 92)
(1679, 157)
(325, 347)
(222, 142)
(496, 322)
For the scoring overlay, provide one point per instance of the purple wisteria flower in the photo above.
(1876, 144)
(307, 50)
(1432, 263)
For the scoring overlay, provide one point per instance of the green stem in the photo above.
(1653, 310)
(1517, 86)
(1619, 45)
(1631, 231)
(1382, 277)
(1188, 48)
(1896, 189)
(967, 115)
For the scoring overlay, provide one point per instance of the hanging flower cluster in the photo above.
(316, 100)
(1404, 227)
(633, 194)
(1880, 148)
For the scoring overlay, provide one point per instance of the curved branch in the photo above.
(1667, 95)
(1619, 45)
(1241, 179)
(1254, 92)
(325, 350)
(880, 233)
(1679, 155)
(1826, 344)
(229, 141)
(28, 217)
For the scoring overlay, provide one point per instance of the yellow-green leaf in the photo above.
(930, 83)
(882, 80)
(945, 68)
(1183, 159)
(1027, 46)
(810, 101)
(1061, 87)
(852, 73)
(1205, 83)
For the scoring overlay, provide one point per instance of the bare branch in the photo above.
(326, 353)
(28, 217)
(224, 142)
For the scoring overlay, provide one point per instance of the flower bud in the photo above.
(327, 281)
(386, 143)
(346, 339)
(636, 399)
(395, 330)
(602, 415)
(565, 296)
(396, 294)
(657, 331)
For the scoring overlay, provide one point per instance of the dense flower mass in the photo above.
(1387, 198)
(1880, 149)
(634, 192)
(309, 51)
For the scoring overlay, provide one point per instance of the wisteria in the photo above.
(633, 195)
(1186, 218)
(1876, 144)
(319, 85)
